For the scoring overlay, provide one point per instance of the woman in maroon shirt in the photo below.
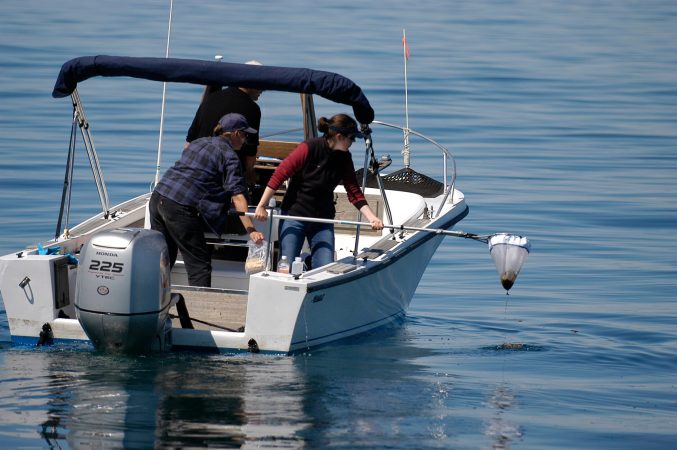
(316, 167)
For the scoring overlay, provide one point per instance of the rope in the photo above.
(172, 316)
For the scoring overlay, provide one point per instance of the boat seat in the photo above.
(346, 211)
(274, 149)
(269, 155)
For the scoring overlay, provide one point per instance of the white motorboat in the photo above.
(106, 279)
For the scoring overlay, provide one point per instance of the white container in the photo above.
(283, 265)
(297, 266)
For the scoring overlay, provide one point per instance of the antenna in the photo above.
(164, 98)
(405, 150)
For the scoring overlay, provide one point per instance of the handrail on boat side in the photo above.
(446, 157)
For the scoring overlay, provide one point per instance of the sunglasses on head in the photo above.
(349, 132)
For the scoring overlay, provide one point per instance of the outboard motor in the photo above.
(123, 289)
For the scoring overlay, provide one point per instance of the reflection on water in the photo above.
(500, 430)
(77, 398)
(163, 402)
(561, 116)
(85, 400)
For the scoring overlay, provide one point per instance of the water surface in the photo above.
(561, 116)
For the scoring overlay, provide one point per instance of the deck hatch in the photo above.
(340, 268)
(378, 249)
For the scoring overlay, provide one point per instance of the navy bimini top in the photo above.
(331, 86)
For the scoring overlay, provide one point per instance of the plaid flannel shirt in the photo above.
(205, 177)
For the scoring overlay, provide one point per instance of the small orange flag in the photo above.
(406, 47)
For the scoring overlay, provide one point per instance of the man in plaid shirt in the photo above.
(195, 195)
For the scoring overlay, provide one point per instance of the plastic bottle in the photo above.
(283, 265)
(297, 267)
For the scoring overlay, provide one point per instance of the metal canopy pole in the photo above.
(309, 118)
(367, 139)
(91, 152)
(67, 181)
(370, 159)
(379, 180)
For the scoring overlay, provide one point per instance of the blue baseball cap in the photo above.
(235, 122)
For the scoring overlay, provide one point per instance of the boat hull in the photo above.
(377, 298)
(288, 315)
(284, 314)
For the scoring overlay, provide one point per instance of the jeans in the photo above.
(183, 229)
(320, 240)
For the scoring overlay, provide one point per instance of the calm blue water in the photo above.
(563, 120)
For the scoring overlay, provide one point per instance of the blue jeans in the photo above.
(320, 240)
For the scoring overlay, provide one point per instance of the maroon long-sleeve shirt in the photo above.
(315, 170)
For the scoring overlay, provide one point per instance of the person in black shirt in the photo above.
(220, 102)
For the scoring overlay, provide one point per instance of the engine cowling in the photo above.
(123, 290)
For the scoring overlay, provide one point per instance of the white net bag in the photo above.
(509, 252)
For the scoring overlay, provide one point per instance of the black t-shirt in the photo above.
(217, 105)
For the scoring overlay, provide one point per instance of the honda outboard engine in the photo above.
(122, 293)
